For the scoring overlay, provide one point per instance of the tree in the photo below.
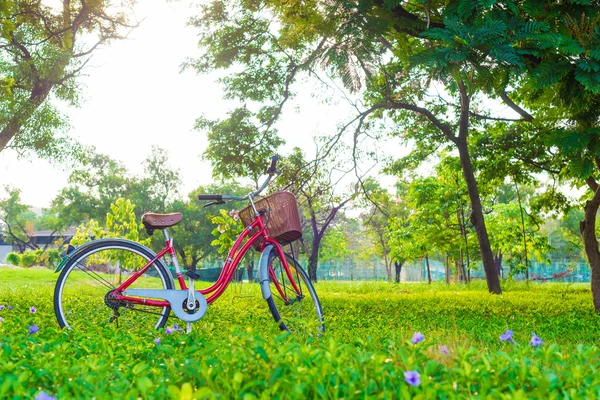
(558, 80)
(319, 202)
(564, 236)
(377, 220)
(121, 222)
(158, 188)
(425, 231)
(390, 51)
(43, 50)
(236, 147)
(94, 186)
(513, 245)
(17, 221)
(100, 180)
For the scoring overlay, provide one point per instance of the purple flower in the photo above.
(44, 396)
(413, 378)
(32, 309)
(507, 336)
(535, 340)
(417, 337)
(168, 331)
(157, 341)
(33, 329)
(444, 350)
(10, 307)
(2, 307)
(176, 327)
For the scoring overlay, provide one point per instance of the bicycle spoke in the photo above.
(94, 275)
(293, 301)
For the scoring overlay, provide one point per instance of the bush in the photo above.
(28, 259)
(54, 258)
(13, 258)
(47, 258)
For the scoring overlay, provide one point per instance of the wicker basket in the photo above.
(282, 221)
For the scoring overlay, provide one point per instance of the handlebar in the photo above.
(271, 170)
(218, 198)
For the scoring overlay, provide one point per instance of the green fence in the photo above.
(558, 270)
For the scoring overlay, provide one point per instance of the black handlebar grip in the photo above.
(272, 168)
(217, 197)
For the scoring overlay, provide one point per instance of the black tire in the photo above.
(93, 270)
(299, 314)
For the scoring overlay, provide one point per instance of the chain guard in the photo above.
(177, 300)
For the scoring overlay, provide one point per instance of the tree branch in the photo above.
(390, 105)
(593, 185)
(526, 116)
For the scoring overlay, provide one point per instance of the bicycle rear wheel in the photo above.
(295, 309)
(82, 298)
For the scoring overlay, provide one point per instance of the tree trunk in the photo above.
(251, 270)
(398, 269)
(447, 269)
(388, 263)
(465, 236)
(194, 263)
(498, 263)
(463, 269)
(313, 259)
(459, 265)
(388, 266)
(590, 243)
(524, 234)
(183, 257)
(428, 269)
(491, 276)
(23, 114)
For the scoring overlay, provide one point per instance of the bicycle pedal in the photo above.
(193, 275)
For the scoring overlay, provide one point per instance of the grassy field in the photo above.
(236, 351)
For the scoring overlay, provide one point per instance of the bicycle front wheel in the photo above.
(293, 302)
(82, 296)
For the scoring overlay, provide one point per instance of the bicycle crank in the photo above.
(177, 300)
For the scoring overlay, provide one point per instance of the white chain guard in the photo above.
(175, 299)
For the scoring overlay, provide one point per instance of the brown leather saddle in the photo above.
(154, 221)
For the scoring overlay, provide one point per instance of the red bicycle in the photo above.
(124, 282)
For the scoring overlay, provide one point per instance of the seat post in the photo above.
(166, 234)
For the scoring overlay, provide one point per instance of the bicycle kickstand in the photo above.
(191, 300)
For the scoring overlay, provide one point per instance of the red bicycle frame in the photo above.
(231, 264)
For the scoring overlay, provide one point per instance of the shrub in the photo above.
(53, 258)
(47, 258)
(13, 258)
(41, 257)
(28, 259)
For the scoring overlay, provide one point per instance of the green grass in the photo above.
(236, 351)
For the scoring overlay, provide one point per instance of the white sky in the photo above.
(134, 96)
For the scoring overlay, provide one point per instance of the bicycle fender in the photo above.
(62, 263)
(66, 256)
(264, 272)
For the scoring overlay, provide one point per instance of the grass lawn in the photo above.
(236, 351)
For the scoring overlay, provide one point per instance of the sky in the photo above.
(135, 96)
